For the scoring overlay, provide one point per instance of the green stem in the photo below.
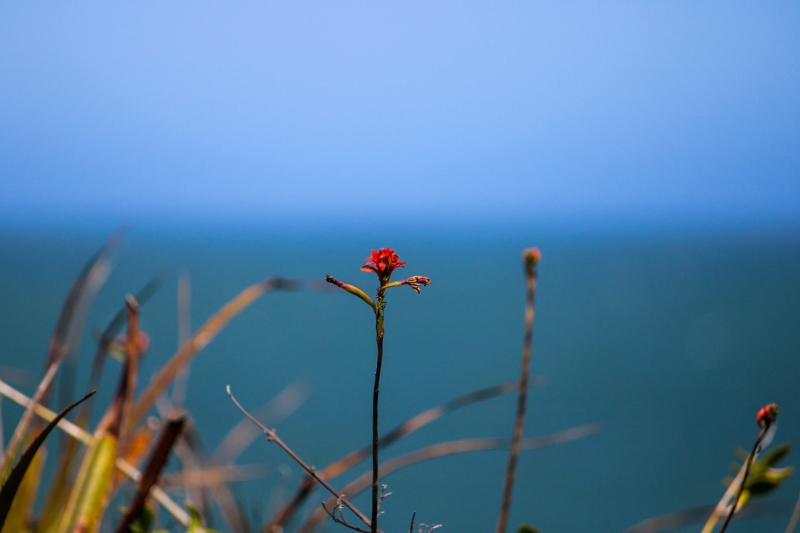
(376, 390)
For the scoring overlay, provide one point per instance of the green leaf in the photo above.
(14, 480)
(772, 457)
(143, 522)
(196, 521)
(527, 528)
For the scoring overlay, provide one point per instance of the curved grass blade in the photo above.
(215, 475)
(14, 480)
(244, 433)
(193, 454)
(81, 435)
(90, 277)
(416, 422)
(57, 495)
(108, 335)
(95, 269)
(202, 338)
(442, 449)
(698, 515)
(20, 517)
(27, 417)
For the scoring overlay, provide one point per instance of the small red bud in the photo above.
(142, 341)
(531, 256)
(767, 414)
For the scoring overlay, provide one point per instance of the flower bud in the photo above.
(767, 414)
(531, 256)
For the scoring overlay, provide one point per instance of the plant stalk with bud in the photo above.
(765, 418)
(382, 262)
(530, 259)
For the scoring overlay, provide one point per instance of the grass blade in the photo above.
(157, 461)
(244, 433)
(440, 450)
(14, 480)
(81, 435)
(307, 486)
(202, 338)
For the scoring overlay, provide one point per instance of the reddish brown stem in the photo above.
(273, 437)
(522, 398)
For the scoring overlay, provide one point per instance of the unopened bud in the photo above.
(767, 414)
(531, 256)
(415, 282)
(142, 341)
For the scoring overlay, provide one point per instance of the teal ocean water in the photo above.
(672, 342)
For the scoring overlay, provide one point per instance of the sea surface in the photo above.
(671, 341)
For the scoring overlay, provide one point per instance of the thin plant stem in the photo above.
(747, 465)
(522, 398)
(795, 517)
(273, 437)
(375, 392)
(723, 502)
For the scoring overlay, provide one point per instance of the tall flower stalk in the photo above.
(381, 262)
(765, 418)
(530, 258)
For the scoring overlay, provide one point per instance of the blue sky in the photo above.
(454, 111)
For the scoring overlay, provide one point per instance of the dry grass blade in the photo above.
(202, 338)
(82, 295)
(56, 496)
(795, 516)
(14, 480)
(94, 281)
(193, 455)
(415, 423)
(214, 475)
(96, 268)
(156, 463)
(27, 417)
(273, 437)
(108, 336)
(17, 376)
(283, 515)
(679, 519)
(81, 435)
(94, 482)
(434, 451)
(184, 333)
(244, 433)
(114, 420)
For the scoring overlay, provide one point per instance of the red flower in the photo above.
(383, 262)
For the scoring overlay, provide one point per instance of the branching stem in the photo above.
(273, 437)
